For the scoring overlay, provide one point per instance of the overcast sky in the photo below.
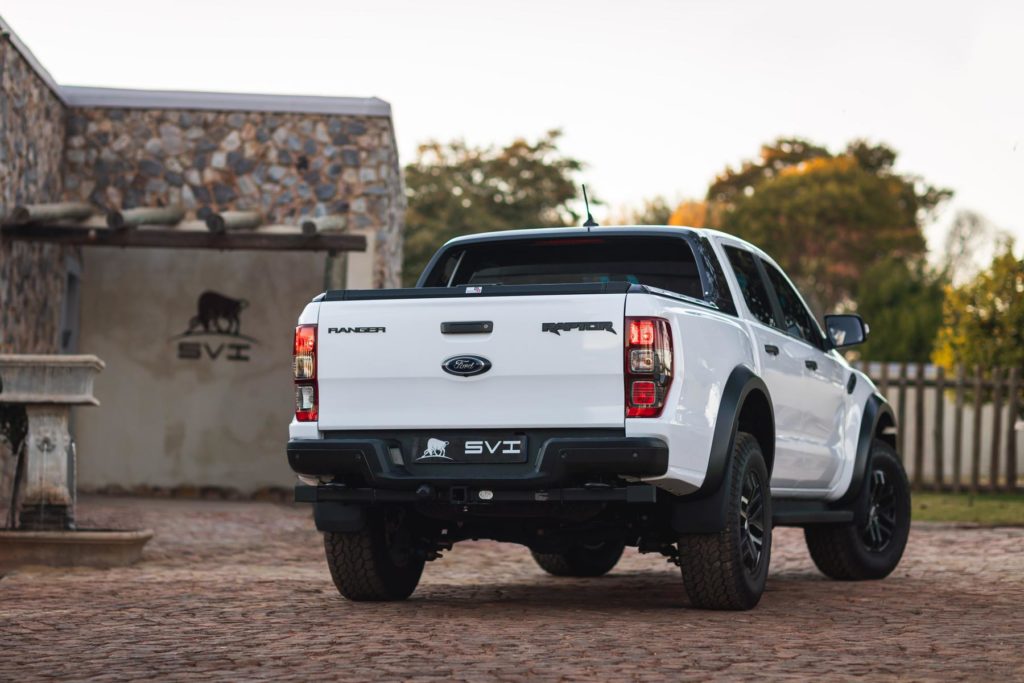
(655, 96)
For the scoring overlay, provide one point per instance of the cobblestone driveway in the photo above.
(240, 591)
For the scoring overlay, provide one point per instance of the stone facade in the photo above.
(285, 165)
(32, 131)
(207, 409)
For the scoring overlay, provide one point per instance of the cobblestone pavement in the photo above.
(239, 591)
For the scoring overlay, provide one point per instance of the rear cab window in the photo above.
(661, 262)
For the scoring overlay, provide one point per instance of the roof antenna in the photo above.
(590, 222)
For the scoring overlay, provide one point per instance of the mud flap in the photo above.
(705, 514)
(338, 517)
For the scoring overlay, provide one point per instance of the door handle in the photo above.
(811, 365)
(771, 349)
(467, 327)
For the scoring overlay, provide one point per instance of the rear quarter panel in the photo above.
(707, 345)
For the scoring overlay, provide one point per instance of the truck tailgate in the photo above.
(380, 363)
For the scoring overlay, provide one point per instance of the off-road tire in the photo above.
(843, 551)
(581, 560)
(365, 567)
(714, 566)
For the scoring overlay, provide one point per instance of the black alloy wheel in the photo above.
(881, 523)
(871, 546)
(752, 521)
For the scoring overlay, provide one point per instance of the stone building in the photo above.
(192, 395)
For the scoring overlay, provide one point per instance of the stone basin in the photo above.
(102, 548)
(37, 467)
(44, 379)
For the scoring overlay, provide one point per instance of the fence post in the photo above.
(883, 381)
(997, 427)
(919, 426)
(976, 435)
(901, 411)
(1011, 431)
(958, 430)
(939, 432)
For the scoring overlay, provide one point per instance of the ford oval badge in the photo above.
(466, 366)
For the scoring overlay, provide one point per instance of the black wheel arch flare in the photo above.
(877, 416)
(745, 402)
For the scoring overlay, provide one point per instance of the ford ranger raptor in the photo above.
(578, 391)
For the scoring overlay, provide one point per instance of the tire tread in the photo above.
(360, 570)
(712, 573)
(836, 549)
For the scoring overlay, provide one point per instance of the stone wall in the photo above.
(32, 129)
(285, 165)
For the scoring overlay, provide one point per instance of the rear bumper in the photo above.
(556, 461)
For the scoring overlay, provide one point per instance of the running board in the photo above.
(793, 512)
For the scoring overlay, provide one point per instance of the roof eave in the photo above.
(122, 98)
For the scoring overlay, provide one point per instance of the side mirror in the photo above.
(846, 330)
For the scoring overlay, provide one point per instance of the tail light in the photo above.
(304, 368)
(648, 366)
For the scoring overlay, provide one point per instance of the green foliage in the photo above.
(989, 509)
(732, 185)
(902, 303)
(454, 189)
(827, 219)
(983, 320)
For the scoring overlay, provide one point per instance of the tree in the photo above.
(826, 218)
(983, 320)
(695, 213)
(971, 241)
(455, 189)
(732, 186)
(903, 307)
(968, 232)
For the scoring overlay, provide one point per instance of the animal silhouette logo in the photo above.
(217, 314)
(435, 449)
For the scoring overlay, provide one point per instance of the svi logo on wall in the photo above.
(214, 332)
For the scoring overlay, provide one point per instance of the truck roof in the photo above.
(576, 230)
(646, 230)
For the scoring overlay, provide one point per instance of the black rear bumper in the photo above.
(361, 461)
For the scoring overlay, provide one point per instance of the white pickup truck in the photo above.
(578, 391)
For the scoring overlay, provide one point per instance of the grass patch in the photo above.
(992, 509)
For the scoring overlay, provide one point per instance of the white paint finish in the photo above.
(394, 380)
(854, 405)
(805, 430)
(310, 314)
(166, 421)
(707, 346)
(813, 414)
(303, 430)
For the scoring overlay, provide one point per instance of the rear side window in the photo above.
(754, 291)
(718, 289)
(796, 319)
(663, 262)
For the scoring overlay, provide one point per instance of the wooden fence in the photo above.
(979, 450)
